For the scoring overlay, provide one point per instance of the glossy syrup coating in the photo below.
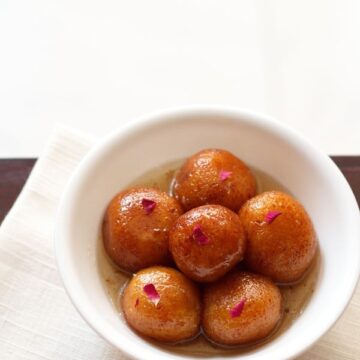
(240, 308)
(283, 248)
(214, 176)
(135, 236)
(219, 248)
(176, 315)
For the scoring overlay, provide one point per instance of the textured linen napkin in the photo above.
(37, 320)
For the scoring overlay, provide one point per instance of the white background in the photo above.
(97, 64)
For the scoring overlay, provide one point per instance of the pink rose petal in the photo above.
(271, 216)
(152, 294)
(223, 175)
(148, 205)
(199, 236)
(237, 309)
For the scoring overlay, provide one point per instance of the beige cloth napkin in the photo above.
(37, 320)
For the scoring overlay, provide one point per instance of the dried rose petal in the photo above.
(148, 205)
(237, 309)
(199, 236)
(223, 175)
(152, 294)
(137, 302)
(271, 216)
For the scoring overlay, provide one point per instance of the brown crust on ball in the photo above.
(198, 181)
(134, 239)
(225, 247)
(261, 312)
(177, 315)
(283, 249)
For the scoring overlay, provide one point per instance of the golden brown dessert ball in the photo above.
(163, 304)
(136, 226)
(206, 242)
(240, 308)
(281, 238)
(214, 177)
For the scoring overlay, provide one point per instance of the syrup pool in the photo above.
(295, 296)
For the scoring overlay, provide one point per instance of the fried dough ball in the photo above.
(240, 308)
(163, 304)
(214, 177)
(136, 225)
(206, 242)
(281, 238)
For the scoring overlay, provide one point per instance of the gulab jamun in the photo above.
(206, 242)
(240, 308)
(281, 241)
(214, 176)
(136, 227)
(163, 304)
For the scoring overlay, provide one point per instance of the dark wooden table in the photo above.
(14, 172)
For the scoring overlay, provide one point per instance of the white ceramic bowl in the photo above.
(262, 142)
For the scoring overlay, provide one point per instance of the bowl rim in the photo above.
(174, 114)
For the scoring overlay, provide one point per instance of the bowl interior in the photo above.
(309, 175)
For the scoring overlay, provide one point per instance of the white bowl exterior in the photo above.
(259, 141)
